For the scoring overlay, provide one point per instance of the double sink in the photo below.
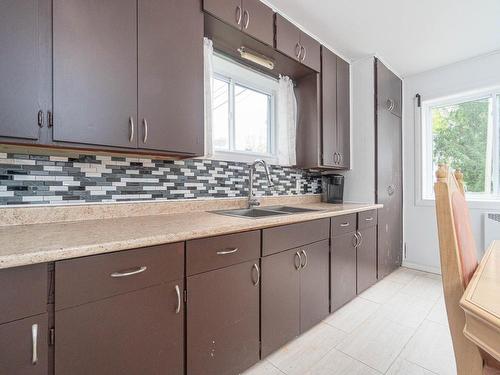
(255, 213)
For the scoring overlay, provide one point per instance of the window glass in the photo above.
(243, 112)
(220, 113)
(251, 120)
(460, 138)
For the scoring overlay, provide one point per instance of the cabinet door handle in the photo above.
(390, 104)
(340, 158)
(131, 128)
(298, 50)
(345, 224)
(305, 259)
(303, 53)
(355, 240)
(129, 272)
(227, 251)
(34, 344)
(178, 292)
(369, 218)
(40, 118)
(360, 239)
(246, 19)
(145, 139)
(257, 269)
(299, 258)
(238, 15)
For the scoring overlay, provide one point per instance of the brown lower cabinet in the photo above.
(343, 269)
(367, 258)
(223, 320)
(24, 346)
(139, 332)
(294, 294)
(353, 256)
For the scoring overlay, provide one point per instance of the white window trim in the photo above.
(230, 70)
(424, 173)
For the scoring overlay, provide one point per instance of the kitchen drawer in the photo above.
(343, 224)
(290, 236)
(367, 219)
(216, 252)
(92, 278)
(23, 292)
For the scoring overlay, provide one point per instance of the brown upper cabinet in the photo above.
(296, 44)
(335, 110)
(170, 82)
(25, 69)
(129, 74)
(250, 16)
(389, 90)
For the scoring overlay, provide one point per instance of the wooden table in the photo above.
(481, 303)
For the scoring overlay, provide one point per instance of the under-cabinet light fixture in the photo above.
(256, 58)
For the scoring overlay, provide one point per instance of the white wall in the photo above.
(360, 180)
(420, 228)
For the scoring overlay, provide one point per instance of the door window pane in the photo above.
(460, 138)
(251, 121)
(220, 113)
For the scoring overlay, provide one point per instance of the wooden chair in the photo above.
(458, 263)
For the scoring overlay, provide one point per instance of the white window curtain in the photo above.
(208, 72)
(287, 122)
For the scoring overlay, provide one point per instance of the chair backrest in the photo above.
(458, 262)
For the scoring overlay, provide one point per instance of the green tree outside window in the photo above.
(460, 139)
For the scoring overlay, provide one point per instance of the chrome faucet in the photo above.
(252, 200)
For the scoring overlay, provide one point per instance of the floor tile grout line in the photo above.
(404, 346)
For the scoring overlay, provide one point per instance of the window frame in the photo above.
(235, 73)
(426, 168)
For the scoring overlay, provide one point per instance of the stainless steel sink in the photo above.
(250, 212)
(255, 213)
(290, 210)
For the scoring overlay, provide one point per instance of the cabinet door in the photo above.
(389, 90)
(343, 113)
(24, 346)
(258, 21)
(223, 320)
(287, 37)
(25, 70)
(311, 52)
(95, 72)
(314, 284)
(171, 76)
(134, 333)
(280, 300)
(367, 259)
(229, 11)
(389, 191)
(329, 107)
(343, 270)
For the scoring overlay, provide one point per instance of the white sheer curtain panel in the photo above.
(287, 122)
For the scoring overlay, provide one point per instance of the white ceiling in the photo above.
(410, 36)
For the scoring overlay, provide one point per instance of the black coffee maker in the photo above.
(333, 188)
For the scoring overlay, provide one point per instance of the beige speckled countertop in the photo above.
(47, 242)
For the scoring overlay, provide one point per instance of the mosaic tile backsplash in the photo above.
(40, 179)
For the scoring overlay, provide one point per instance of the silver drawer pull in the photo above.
(227, 251)
(345, 224)
(34, 343)
(369, 219)
(129, 272)
(178, 292)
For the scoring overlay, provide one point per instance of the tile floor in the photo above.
(397, 327)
